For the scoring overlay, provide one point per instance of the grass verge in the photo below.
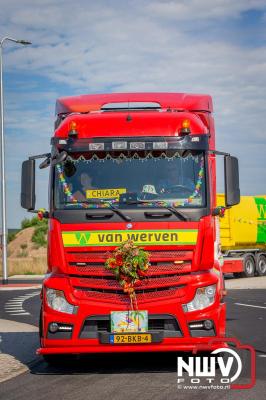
(26, 266)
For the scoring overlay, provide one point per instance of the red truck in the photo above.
(139, 167)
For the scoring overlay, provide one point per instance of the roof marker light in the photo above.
(96, 146)
(160, 145)
(137, 145)
(119, 145)
(195, 139)
(73, 129)
(185, 127)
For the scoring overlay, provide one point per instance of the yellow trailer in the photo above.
(243, 236)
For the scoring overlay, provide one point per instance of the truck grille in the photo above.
(168, 274)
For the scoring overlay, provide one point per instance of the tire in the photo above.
(261, 265)
(249, 266)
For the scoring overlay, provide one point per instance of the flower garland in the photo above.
(42, 213)
(65, 185)
(129, 264)
(221, 211)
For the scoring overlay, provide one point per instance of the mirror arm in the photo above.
(218, 153)
(59, 157)
(49, 160)
(45, 155)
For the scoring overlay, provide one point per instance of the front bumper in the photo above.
(184, 340)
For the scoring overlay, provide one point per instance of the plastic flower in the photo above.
(119, 260)
(112, 263)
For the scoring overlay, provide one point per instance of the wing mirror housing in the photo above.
(27, 197)
(231, 174)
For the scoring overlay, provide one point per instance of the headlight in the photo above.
(204, 297)
(57, 301)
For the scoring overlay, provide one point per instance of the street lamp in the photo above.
(3, 180)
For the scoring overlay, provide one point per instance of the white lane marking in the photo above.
(14, 301)
(14, 306)
(24, 313)
(249, 305)
(20, 288)
(23, 298)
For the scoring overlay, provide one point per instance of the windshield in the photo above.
(131, 180)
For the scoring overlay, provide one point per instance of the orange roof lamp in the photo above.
(185, 127)
(73, 129)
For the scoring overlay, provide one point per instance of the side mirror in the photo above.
(231, 173)
(27, 196)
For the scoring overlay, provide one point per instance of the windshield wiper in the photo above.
(111, 206)
(173, 210)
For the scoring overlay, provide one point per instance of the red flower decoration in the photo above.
(142, 273)
(129, 263)
(112, 263)
(119, 260)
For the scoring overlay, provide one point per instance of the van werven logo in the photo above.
(261, 230)
(83, 238)
(261, 206)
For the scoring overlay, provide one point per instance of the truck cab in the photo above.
(139, 167)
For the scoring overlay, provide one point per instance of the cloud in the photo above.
(206, 10)
(178, 46)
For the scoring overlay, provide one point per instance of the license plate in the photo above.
(130, 339)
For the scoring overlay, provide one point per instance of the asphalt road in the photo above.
(125, 376)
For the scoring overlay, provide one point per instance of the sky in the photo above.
(216, 47)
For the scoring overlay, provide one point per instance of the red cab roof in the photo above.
(95, 102)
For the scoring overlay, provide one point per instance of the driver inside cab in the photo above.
(174, 181)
